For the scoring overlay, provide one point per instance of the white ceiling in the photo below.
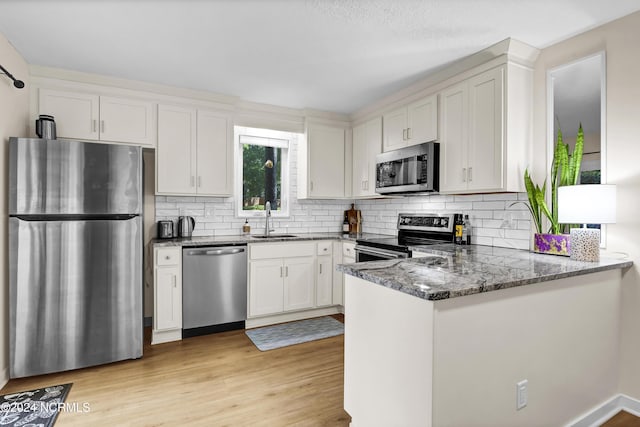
(334, 55)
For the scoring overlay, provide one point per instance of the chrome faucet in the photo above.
(267, 209)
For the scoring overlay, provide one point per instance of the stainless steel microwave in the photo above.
(408, 170)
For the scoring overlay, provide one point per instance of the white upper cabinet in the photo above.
(194, 153)
(453, 138)
(422, 120)
(101, 118)
(76, 114)
(214, 162)
(395, 129)
(485, 131)
(412, 124)
(367, 143)
(126, 120)
(176, 154)
(321, 162)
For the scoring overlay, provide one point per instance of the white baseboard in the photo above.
(4, 377)
(160, 337)
(257, 322)
(597, 416)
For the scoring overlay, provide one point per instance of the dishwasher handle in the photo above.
(215, 252)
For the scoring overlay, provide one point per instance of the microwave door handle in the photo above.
(412, 170)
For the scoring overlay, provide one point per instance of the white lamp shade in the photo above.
(587, 204)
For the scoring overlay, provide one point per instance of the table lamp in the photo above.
(586, 204)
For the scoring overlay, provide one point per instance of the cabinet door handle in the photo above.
(280, 271)
(311, 185)
(286, 271)
(95, 125)
(101, 126)
(464, 174)
(174, 281)
(199, 181)
(404, 134)
(470, 175)
(408, 133)
(320, 268)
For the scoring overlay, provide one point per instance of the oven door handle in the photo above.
(379, 252)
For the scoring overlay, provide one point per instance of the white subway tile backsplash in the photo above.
(517, 234)
(497, 205)
(489, 232)
(492, 223)
(459, 206)
(479, 240)
(468, 198)
(499, 196)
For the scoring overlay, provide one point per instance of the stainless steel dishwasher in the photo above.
(214, 289)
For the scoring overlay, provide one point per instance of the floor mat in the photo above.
(286, 334)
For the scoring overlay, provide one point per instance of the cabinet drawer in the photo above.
(168, 256)
(324, 248)
(281, 250)
(349, 249)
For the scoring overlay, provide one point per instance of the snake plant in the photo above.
(565, 170)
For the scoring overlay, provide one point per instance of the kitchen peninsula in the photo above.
(461, 327)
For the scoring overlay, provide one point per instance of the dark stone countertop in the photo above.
(451, 271)
(240, 240)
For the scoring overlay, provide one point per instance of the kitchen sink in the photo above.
(273, 235)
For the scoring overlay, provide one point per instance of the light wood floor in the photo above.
(214, 380)
(623, 419)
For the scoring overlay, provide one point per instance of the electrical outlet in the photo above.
(521, 394)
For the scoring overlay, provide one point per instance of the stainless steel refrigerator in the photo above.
(75, 254)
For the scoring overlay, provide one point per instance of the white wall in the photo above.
(621, 41)
(14, 117)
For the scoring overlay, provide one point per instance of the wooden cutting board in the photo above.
(354, 218)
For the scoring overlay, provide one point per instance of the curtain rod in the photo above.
(17, 83)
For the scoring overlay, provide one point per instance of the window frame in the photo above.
(268, 138)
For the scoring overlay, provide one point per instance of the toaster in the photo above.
(165, 229)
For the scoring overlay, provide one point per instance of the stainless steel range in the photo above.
(413, 230)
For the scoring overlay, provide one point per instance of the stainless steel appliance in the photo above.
(214, 289)
(46, 127)
(186, 224)
(75, 255)
(413, 230)
(165, 229)
(408, 170)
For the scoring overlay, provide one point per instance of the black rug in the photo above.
(34, 407)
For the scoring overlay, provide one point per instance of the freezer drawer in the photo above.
(75, 294)
(60, 177)
(214, 286)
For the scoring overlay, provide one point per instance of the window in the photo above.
(263, 171)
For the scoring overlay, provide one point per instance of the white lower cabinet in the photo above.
(298, 283)
(291, 276)
(167, 293)
(324, 274)
(266, 288)
(281, 277)
(347, 256)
